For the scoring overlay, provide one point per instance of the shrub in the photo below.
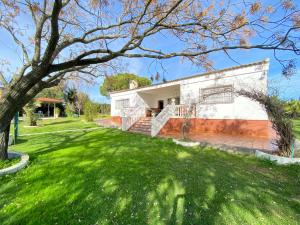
(281, 121)
(90, 111)
(57, 112)
(104, 108)
(292, 108)
(70, 109)
(31, 116)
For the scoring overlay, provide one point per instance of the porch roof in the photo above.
(48, 100)
(161, 89)
(177, 81)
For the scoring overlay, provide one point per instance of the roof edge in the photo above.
(266, 60)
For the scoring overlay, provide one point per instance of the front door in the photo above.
(160, 105)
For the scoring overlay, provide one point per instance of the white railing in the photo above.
(185, 110)
(160, 120)
(131, 115)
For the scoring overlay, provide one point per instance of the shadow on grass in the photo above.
(111, 177)
(54, 123)
(21, 140)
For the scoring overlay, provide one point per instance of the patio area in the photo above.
(239, 143)
(235, 142)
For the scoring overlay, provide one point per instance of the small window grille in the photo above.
(123, 103)
(217, 95)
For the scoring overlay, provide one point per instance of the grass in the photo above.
(297, 128)
(106, 176)
(49, 125)
(8, 163)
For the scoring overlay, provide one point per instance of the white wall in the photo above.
(149, 98)
(134, 99)
(248, 78)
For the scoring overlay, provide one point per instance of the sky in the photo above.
(177, 68)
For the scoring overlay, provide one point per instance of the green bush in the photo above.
(57, 112)
(31, 116)
(104, 108)
(70, 109)
(90, 111)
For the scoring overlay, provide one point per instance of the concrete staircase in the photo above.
(142, 126)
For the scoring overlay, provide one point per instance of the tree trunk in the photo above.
(4, 138)
(12, 100)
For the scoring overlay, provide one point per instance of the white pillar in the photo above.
(173, 101)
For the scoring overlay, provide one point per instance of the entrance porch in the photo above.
(157, 99)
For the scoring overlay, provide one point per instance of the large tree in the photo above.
(57, 37)
(121, 82)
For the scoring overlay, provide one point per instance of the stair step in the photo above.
(144, 123)
(142, 126)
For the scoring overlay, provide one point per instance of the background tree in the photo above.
(90, 111)
(292, 108)
(70, 109)
(104, 108)
(121, 82)
(64, 37)
(70, 95)
(56, 92)
(81, 99)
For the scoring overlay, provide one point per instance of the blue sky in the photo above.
(177, 68)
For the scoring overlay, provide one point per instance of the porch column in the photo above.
(173, 112)
(173, 101)
(48, 109)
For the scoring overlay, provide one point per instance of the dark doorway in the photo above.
(160, 105)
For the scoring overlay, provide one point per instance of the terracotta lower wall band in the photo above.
(257, 128)
(117, 120)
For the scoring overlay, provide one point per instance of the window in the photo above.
(122, 103)
(217, 95)
(177, 101)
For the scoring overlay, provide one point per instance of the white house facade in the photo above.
(208, 100)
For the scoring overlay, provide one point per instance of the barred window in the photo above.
(217, 95)
(122, 103)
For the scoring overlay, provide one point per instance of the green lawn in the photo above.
(297, 128)
(106, 176)
(8, 163)
(49, 125)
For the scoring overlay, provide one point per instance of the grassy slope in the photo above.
(111, 177)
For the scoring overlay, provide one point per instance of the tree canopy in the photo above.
(53, 92)
(121, 82)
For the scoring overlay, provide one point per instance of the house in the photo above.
(206, 100)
